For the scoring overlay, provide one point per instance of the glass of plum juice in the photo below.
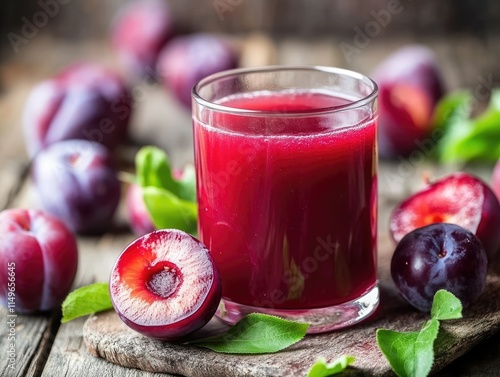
(286, 165)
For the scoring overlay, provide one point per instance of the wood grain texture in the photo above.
(69, 357)
(29, 334)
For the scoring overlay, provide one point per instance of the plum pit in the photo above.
(164, 280)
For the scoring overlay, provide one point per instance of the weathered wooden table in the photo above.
(44, 347)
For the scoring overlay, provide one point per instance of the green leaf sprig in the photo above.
(86, 300)
(171, 202)
(254, 334)
(464, 138)
(411, 354)
(323, 369)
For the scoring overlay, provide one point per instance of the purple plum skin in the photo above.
(75, 181)
(185, 60)
(139, 33)
(84, 101)
(42, 255)
(439, 256)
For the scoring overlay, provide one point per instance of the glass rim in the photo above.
(276, 68)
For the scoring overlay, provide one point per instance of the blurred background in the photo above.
(464, 35)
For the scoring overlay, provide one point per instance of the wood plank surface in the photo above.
(69, 357)
(30, 333)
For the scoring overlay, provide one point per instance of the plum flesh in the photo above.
(439, 256)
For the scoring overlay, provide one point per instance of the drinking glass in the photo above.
(286, 167)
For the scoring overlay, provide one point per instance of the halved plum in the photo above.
(165, 285)
(460, 199)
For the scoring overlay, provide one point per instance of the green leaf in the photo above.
(256, 333)
(465, 138)
(411, 354)
(168, 211)
(495, 100)
(424, 347)
(452, 117)
(398, 349)
(86, 300)
(153, 169)
(187, 184)
(453, 107)
(446, 306)
(322, 369)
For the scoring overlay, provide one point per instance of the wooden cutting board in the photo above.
(107, 337)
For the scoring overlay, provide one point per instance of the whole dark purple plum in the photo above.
(439, 256)
(187, 59)
(84, 101)
(75, 181)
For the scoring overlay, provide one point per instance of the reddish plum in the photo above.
(410, 85)
(141, 30)
(459, 198)
(165, 285)
(85, 101)
(75, 180)
(138, 215)
(187, 59)
(39, 259)
(439, 256)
